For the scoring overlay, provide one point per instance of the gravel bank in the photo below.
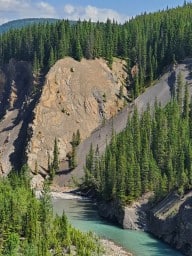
(112, 249)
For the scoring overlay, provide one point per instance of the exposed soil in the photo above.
(76, 95)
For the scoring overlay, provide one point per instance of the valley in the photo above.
(103, 109)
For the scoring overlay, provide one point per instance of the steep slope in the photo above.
(161, 92)
(171, 220)
(76, 95)
(16, 82)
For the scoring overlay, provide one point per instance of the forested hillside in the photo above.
(153, 153)
(15, 24)
(28, 226)
(148, 42)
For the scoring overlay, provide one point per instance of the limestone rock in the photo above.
(76, 95)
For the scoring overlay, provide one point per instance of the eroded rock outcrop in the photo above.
(132, 216)
(161, 92)
(16, 83)
(171, 221)
(76, 95)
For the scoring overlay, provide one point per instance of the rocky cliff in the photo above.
(16, 103)
(161, 92)
(132, 216)
(171, 221)
(76, 95)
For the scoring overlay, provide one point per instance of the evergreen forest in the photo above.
(148, 42)
(28, 226)
(153, 153)
(14, 24)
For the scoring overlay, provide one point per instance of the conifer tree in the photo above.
(36, 66)
(55, 164)
(186, 103)
(180, 90)
(121, 177)
(51, 60)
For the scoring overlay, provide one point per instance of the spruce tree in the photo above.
(55, 164)
(186, 102)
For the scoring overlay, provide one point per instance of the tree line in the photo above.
(153, 153)
(148, 42)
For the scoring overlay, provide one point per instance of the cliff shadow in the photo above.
(18, 157)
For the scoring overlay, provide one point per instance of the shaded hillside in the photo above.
(18, 98)
(16, 24)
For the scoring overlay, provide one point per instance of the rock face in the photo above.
(76, 95)
(125, 217)
(161, 92)
(171, 221)
(16, 81)
(112, 211)
(129, 217)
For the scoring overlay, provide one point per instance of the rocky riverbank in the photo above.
(113, 249)
(128, 217)
(171, 221)
(60, 195)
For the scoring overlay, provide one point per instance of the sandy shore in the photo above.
(112, 249)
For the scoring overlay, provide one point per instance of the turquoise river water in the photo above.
(83, 215)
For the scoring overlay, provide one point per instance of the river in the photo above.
(83, 215)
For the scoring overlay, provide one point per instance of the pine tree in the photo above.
(51, 60)
(12, 245)
(137, 179)
(55, 164)
(121, 177)
(73, 158)
(36, 65)
(180, 90)
(186, 103)
(78, 137)
(78, 54)
(90, 160)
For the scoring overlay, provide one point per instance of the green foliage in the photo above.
(153, 153)
(72, 157)
(29, 228)
(148, 43)
(23, 23)
(76, 139)
(11, 245)
(55, 164)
